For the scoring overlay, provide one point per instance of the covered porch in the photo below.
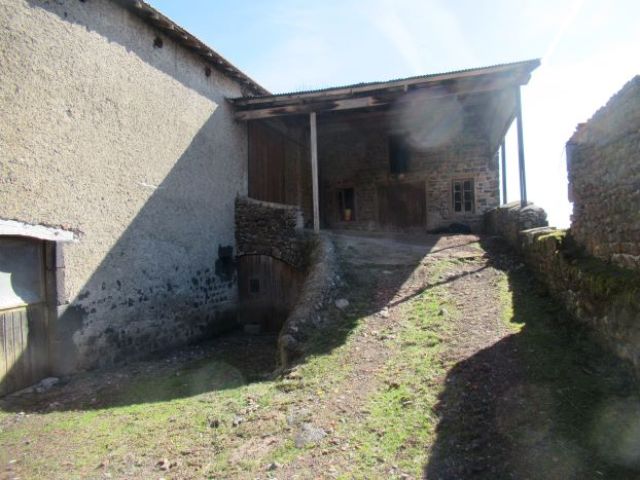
(420, 153)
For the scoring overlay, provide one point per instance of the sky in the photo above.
(589, 50)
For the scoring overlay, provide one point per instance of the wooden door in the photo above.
(24, 353)
(266, 164)
(402, 205)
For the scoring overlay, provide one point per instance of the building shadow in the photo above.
(545, 402)
(232, 360)
(227, 361)
(377, 268)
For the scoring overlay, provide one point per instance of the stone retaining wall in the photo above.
(273, 229)
(299, 293)
(314, 307)
(603, 296)
(510, 219)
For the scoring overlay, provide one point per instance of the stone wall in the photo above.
(510, 219)
(314, 306)
(273, 229)
(355, 154)
(603, 161)
(602, 296)
(273, 256)
(129, 142)
(297, 268)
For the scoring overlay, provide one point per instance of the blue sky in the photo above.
(589, 49)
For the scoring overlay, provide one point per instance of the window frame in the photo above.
(464, 194)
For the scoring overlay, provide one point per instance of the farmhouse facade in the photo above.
(415, 153)
(126, 142)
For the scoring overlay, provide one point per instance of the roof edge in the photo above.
(189, 41)
(525, 66)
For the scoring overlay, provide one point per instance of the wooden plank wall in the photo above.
(279, 169)
(23, 347)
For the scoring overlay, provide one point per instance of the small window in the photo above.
(463, 196)
(399, 154)
(347, 204)
(254, 285)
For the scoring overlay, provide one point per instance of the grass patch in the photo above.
(392, 439)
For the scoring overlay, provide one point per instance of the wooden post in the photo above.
(523, 177)
(314, 171)
(503, 156)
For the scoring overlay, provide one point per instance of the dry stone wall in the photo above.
(273, 229)
(603, 161)
(510, 219)
(602, 296)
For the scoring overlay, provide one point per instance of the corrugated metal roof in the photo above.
(531, 64)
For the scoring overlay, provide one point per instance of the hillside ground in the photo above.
(450, 362)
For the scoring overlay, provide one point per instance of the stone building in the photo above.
(603, 162)
(125, 143)
(414, 153)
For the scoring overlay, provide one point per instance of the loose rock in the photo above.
(309, 435)
(342, 303)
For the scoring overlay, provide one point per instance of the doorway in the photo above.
(24, 346)
(402, 205)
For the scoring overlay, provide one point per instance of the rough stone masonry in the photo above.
(603, 161)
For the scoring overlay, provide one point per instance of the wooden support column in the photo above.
(314, 171)
(503, 157)
(521, 168)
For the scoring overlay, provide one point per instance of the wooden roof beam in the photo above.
(320, 104)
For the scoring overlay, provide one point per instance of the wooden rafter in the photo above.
(366, 98)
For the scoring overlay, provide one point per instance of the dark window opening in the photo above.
(347, 204)
(399, 154)
(254, 285)
(463, 196)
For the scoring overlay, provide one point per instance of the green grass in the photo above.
(133, 435)
(168, 417)
(400, 423)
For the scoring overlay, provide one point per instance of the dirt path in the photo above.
(449, 363)
(383, 274)
(516, 383)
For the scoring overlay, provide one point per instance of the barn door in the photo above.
(24, 350)
(402, 205)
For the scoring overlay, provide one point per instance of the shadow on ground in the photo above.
(545, 402)
(376, 268)
(229, 361)
(373, 275)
